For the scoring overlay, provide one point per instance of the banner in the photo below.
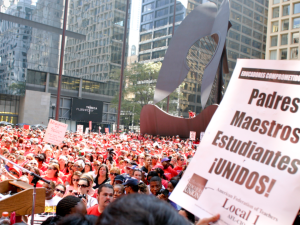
(80, 129)
(192, 135)
(247, 165)
(55, 132)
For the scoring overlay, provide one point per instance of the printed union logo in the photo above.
(195, 186)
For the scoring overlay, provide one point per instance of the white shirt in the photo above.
(91, 201)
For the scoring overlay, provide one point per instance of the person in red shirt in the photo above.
(169, 172)
(191, 114)
(105, 197)
(52, 174)
(180, 161)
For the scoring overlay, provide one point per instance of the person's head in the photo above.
(60, 190)
(63, 161)
(114, 171)
(119, 179)
(78, 166)
(105, 196)
(186, 214)
(64, 150)
(160, 172)
(49, 190)
(154, 159)
(143, 189)
(88, 167)
(131, 186)
(96, 164)
(100, 158)
(52, 170)
(141, 159)
(151, 174)
(155, 185)
(103, 171)
(75, 179)
(70, 205)
(172, 184)
(137, 174)
(16, 172)
(180, 160)
(83, 186)
(142, 210)
(165, 162)
(12, 158)
(76, 219)
(118, 190)
(148, 160)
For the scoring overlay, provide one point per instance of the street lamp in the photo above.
(53, 107)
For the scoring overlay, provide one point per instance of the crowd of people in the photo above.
(97, 174)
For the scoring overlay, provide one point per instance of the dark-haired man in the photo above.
(105, 197)
(131, 186)
(155, 185)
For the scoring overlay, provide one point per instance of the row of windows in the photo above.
(154, 44)
(278, 1)
(155, 55)
(283, 53)
(161, 12)
(285, 25)
(151, 6)
(245, 40)
(249, 22)
(284, 39)
(157, 34)
(236, 36)
(246, 50)
(285, 10)
(162, 22)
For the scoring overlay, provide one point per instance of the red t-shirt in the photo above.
(178, 169)
(93, 211)
(56, 180)
(169, 173)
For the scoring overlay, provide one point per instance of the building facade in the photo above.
(283, 35)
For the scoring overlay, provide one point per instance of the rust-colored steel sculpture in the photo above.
(155, 121)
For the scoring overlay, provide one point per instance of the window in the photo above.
(235, 16)
(258, 17)
(260, 1)
(256, 54)
(177, 18)
(160, 23)
(147, 17)
(286, 10)
(231, 64)
(276, 1)
(160, 3)
(275, 26)
(296, 8)
(258, 26)
(294, 53)
(160, 33)
(147, 26)
(236, 6)
(248, 12)
(285, 24)
(160, 43)
(232, 55)
(246, 40)
(283, 53)
(179, 7)
(247, 21)
(256, 44)
(145, 37)
(161, 12)
(274, 40)
(259, 8)
(148, 7)
(273, 54)
(143, 57)
(257, 35)
(158, 54)
(234, 35)
(275, 12)
(296, 22)
(284, 39)
(245, 49)
(295, 38)
(234, 45)
(171, 29)
(249, 3)
(247, 31)
(144, 47)
(236, 26)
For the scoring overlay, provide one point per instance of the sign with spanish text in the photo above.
(193, 135)
(55, 132)
(248, 166)
(80, 129)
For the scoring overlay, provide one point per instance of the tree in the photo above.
(138, 90)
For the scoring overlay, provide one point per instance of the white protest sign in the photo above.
(55, 132)
(201, 135)
(86, 130)
(192, 135)
(248, 166)
(80, 129)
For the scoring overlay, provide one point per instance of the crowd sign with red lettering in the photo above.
(55, 132)
(247, 167)
(80, 129)
(192, 135)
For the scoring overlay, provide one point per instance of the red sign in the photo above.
(90, 125)
(26, 127)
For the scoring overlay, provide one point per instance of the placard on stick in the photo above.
(55, 132)
(80, 129)
(248, 166)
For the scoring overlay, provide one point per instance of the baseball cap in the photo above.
(131, 182)
(165, 159)
(120, 177)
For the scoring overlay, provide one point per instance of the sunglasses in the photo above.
(114, 174)
(82, 185)
(76, 166)
(181, 159)
(50, 168)
(75, 180)
(60, 191)
(96, 165)
(14, 173)
(142, 158)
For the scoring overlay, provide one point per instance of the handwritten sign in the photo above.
(86, 130)
(192, 135)
(80, 129)
(55, 132)
(106, 130)
(248, 169)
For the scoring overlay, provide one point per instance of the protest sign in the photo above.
(248, 166)
(99, 129)
(80, 129)
(26, 127)
(55, 132)
(106, 130)
(86, 130)
(192, 135)
(90, 125)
